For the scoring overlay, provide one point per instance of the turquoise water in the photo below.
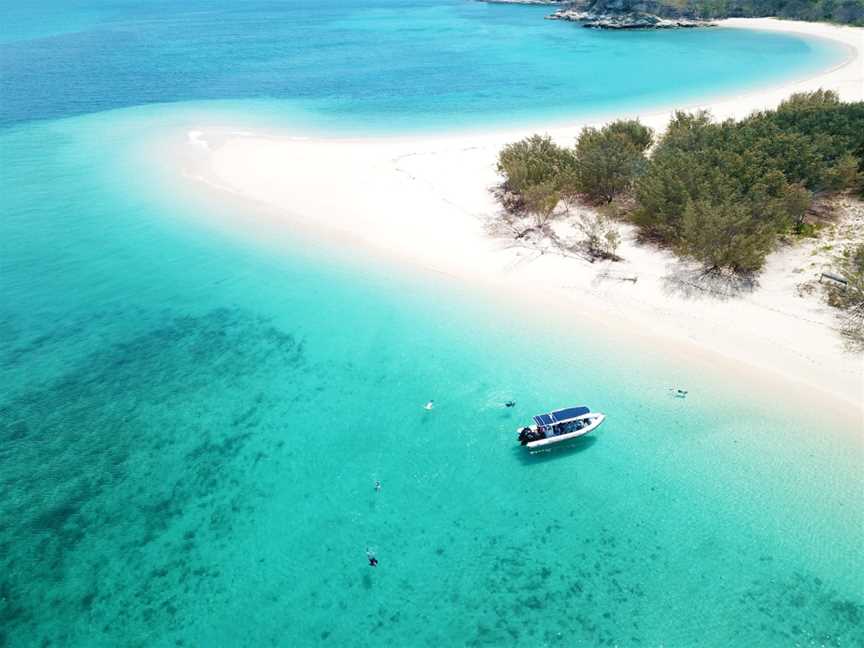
(191, 427)
(369, 65)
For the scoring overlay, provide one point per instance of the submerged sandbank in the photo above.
(427, 201)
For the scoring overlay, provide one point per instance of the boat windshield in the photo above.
(570, 426)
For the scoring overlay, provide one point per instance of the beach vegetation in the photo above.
(808, 230)
(849, 298)
(850, 12)
(798, 201)
(722, 193)
(603, 164)
(722, 234)
(641, 136)
(840, 11)
(540, 201)
(601, 236)
(535, 161)
(609, 160)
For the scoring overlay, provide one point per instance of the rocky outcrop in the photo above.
(630, 14)
(622, 14)
(625, 20)
(665, 14)
(660, 8)
(530, 2)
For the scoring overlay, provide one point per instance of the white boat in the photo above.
(560, 425)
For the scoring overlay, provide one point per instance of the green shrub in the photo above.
(535, 160)
(850, 298)
(540, 200)
(807, 230)
(724, 235)
(610, 159)
(638, 134)
(767, 167)
(840, 11)
(717, 192)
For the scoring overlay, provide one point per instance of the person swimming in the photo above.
(510, 403)
(377, 486)
(428, 406)
(373, 561)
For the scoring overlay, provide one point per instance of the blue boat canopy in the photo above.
(543, 420)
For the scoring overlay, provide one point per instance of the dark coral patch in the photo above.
(92, 475)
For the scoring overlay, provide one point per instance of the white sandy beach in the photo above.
(427, 201)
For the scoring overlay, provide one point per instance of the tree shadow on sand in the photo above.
(516, 231)
(694, 281)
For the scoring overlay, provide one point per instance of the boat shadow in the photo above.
(557, 451)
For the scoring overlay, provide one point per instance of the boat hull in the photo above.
(595, 420)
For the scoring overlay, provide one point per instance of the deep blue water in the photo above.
(191, 425)
(369, 64)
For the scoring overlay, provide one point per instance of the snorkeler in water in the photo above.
(373, 561)
(377, 486)
(510, 403)
(428, 406)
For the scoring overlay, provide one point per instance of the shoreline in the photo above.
(424, 202)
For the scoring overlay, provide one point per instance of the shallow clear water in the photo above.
(191, 427)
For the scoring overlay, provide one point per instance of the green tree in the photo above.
(776, 203)
(850, 298)
(675, 175)
(842, 11)
(724, 235)
(843, 174)
(796, 202)
(534, 161)
(817, 99)
(609, 160)
(640, 135)
(540, 201)
(768, 165)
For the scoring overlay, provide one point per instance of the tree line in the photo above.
(850, 298)
(850, 12)
(721, 193)
(840, 11)
(718, 192)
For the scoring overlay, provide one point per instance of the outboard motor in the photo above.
(527, 435)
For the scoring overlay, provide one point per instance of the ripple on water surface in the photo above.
(374, 65)
(190, 430)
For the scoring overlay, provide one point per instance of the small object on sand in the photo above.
(373, 561)
(377, 486)
(618, 276)
(510, 403)
(428, 406)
